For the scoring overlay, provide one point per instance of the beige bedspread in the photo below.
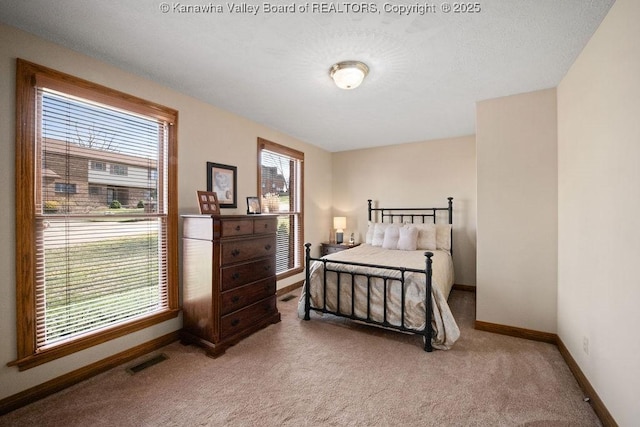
(444, 325)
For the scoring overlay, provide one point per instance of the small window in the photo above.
(65, 187)
(280, 183)
(121, 170)
(98, 166)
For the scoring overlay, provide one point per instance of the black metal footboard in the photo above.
(384, 275)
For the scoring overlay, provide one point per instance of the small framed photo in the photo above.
(208, 203)
(223, 180)
(253, 205)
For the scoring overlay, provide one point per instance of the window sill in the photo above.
(87, 341)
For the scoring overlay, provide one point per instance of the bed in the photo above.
(399, 278)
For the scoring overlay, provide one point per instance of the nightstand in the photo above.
(331, 248)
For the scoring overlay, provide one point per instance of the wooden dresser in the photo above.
(229, 281)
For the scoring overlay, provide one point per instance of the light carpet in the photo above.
(331, 372)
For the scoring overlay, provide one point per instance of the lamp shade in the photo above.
(339, 223)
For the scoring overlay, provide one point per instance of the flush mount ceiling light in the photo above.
(348, 74)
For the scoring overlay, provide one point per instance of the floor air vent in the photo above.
(287, 298)
(144, 365)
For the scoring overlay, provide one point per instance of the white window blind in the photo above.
(281, 193)
(101, 217)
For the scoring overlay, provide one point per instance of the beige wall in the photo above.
(579, 176)
(599, 201)
(421, 174)
(205, 133)
(517, 210)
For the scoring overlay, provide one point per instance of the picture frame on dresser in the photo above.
(223, 180)
(208, 202)
(253, 206)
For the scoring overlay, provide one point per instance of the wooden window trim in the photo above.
(27, 77)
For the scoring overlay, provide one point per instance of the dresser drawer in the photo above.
(239, 227)
(241, 274)
(237, 321)
(265, 225)
(243, 250)
(238, 298)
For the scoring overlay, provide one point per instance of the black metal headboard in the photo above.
(412, 213)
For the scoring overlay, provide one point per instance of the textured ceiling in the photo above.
(427, 70)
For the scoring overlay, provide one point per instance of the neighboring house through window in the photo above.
(280, 188)
(87, 270)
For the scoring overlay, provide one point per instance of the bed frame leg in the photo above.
(307, 302)
(428, 332)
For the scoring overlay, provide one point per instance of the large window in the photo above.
(280, 187)
(91, 265)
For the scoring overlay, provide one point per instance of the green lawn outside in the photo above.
(93, 284)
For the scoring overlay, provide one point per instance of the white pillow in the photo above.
(426, 236)
(408, 238)
(369, 236)
(443, 237)
(378, 233)
(391, 236)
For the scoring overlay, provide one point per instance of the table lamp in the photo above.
(339, 223)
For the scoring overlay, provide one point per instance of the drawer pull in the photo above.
(235, 299)
(267, 267)
(266, 225)
(235, 276)
(267, 247)
(237, 228)
(235, 322)
(235, 252)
